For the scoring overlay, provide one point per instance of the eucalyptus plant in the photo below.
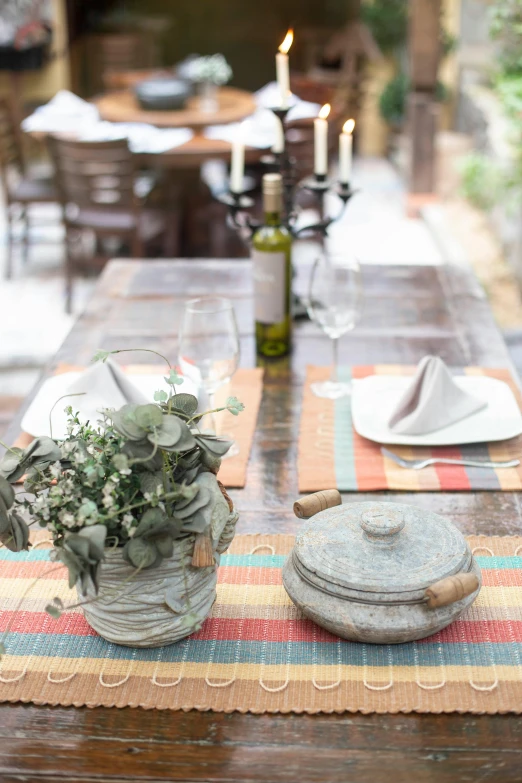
(140, 479)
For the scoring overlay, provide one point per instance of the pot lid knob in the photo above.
(381, 524)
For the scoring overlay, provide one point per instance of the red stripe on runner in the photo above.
(451, 476)
(258, 629)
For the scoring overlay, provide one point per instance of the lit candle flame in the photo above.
(325, 111)
(287, 43)
(348, 126)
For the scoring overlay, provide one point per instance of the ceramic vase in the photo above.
(159, 606)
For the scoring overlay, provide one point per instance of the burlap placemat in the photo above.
(257, 654)
(246, 385)
(332, 454)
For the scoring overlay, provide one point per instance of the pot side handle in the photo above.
(451, 589)
(311, 504)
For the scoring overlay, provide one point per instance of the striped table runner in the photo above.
(256, 653)
(331, 454)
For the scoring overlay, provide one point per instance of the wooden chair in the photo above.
(112, 53)
(20, 190)
(98, 189)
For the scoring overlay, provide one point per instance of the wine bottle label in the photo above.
(269, 286)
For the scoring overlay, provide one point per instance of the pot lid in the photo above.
(392, 549)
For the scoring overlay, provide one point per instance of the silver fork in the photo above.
(418, 464)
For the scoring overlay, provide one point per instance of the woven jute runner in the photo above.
(332, 454)
(246, 385)
(256, 653)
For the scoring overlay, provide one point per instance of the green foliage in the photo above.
(140, 480)
(392, 102)
(506, 31)
(481, 180)
(387, 21)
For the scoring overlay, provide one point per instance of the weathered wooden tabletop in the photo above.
(409, 312)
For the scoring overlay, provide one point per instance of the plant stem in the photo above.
(144, 350)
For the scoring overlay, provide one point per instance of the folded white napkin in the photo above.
(432, 401)
(65, 113)
(141, 136)
(103, 385)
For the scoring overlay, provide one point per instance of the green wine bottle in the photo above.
(272, 270)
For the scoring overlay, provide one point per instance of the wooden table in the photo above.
(409, 311)
(122, 106)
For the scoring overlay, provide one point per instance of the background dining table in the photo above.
(410, 311)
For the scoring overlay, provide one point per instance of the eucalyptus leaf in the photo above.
(161, 396)
(4, 517)
(173, 601)
(234, 406)
(153, 520)
(101, 355)
(120, 462)
(16, 536)
(200, 501)
(140, 553)
(197, 523)
(6, 492)
(53, 611)
(148, 417)
(185, 403)
(143, 451)
(164, 545)
(45, 449)
(168, 433)
(215, 446)
(174, 379)
(151, 482)
(11, 467)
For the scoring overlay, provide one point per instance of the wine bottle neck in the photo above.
(273, 218)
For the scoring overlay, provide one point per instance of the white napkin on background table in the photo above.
(64, 113)
(141, 136)
(432, 401)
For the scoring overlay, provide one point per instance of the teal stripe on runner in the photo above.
(344, 456)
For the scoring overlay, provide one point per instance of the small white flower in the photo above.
(108, 501)
(67, 519)
(128, 522)
(79, 458)
(91, 449)
(67, 448)
(55, 470)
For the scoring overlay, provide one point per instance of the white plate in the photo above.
(375, 398)
(36, 419)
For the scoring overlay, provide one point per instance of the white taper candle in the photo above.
(321, 141)
(345, 152)
(237, 167)
(283, 71)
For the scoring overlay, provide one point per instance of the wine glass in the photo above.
(334, 303)
(209, 347)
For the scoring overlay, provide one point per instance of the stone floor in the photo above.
(374, 228)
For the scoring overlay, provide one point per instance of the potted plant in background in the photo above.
(135, 512)
(210, 73)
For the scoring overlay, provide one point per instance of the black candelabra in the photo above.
(239, 204)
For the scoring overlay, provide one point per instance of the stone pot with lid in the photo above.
(379, 572)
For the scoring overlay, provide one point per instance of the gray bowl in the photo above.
(166, 94)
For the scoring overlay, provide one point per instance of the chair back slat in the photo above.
(94, 174)
(11, 155)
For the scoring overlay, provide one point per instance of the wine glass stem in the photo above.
(212, 404)
(335, 373)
